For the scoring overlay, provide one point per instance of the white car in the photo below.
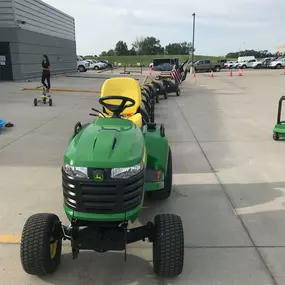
(82, 65)
(279, 63)
(264, 63)
(231, 64)
(246, 64)
(99, 65)
(96, 64)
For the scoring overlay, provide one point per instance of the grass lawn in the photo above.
(147, 59)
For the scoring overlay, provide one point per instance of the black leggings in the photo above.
(46, 77)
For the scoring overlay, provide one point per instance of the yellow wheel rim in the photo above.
(53, 248)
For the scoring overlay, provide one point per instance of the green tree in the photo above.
(103, 53)
(257, 54)
(132, 51)
(121, 48)
(178, 48)
(111, 52)
(148, 46)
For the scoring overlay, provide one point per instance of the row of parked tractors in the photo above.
(151, 93)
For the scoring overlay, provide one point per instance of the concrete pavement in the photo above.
(228, 176)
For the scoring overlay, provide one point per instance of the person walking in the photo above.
(46, 74)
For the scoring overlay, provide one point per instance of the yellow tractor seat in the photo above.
(126, 87)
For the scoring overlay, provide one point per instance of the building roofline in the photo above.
(55, 9)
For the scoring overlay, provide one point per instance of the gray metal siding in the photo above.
(7, 13)
(30, 48)
(46, 31)
(42, 18)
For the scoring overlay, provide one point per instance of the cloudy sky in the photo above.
(221, 25)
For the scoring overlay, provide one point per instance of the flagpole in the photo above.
(193, 42)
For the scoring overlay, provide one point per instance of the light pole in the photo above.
(193, 41)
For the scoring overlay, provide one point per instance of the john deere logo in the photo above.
(98, 176)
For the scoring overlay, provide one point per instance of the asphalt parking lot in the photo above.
(229, 184)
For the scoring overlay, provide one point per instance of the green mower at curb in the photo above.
(279, 129)
(110, 166)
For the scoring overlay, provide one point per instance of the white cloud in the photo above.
(221, 26)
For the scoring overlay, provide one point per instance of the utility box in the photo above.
(29, 29)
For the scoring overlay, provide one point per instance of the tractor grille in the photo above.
(108, 197)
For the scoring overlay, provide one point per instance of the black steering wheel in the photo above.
(117, 109)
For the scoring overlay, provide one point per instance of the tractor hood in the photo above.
(106, 143)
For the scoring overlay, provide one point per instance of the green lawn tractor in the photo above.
(110, 166)
(279, 129)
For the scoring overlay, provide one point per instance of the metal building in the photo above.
(281, 49)
(29, 29)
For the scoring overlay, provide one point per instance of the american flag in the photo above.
(176, 74)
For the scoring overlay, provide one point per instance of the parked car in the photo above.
(208, 65)
(264, 63)
(98, 65)
(82, 65)
(91, 63)
(108, 64)
(163, 67)
(245, 58)
(231, 64)
(278, 63)
(246, 64)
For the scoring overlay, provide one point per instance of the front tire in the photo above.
(40, 248)
(278, 66)
(168, 246)
(81, 68)
(276, 136)
(35, 102)
(165, 193)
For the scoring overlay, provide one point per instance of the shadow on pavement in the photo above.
(107, 268)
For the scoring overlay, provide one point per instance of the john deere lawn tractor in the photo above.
(279, 128)
(109, 167)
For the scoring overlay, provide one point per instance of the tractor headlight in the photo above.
(76, 171)
(126, 172)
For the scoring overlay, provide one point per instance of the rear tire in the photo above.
(35, 102)
(168, 247)
(217, 69)
(39, 256)
(50, 102)
(278, 66)
(178, 93)
(164, 193)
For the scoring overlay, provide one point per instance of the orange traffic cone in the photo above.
(284, 72)
(240, 72)
(194, 75)
(150, 72)
(231, 72)
(212, 74)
